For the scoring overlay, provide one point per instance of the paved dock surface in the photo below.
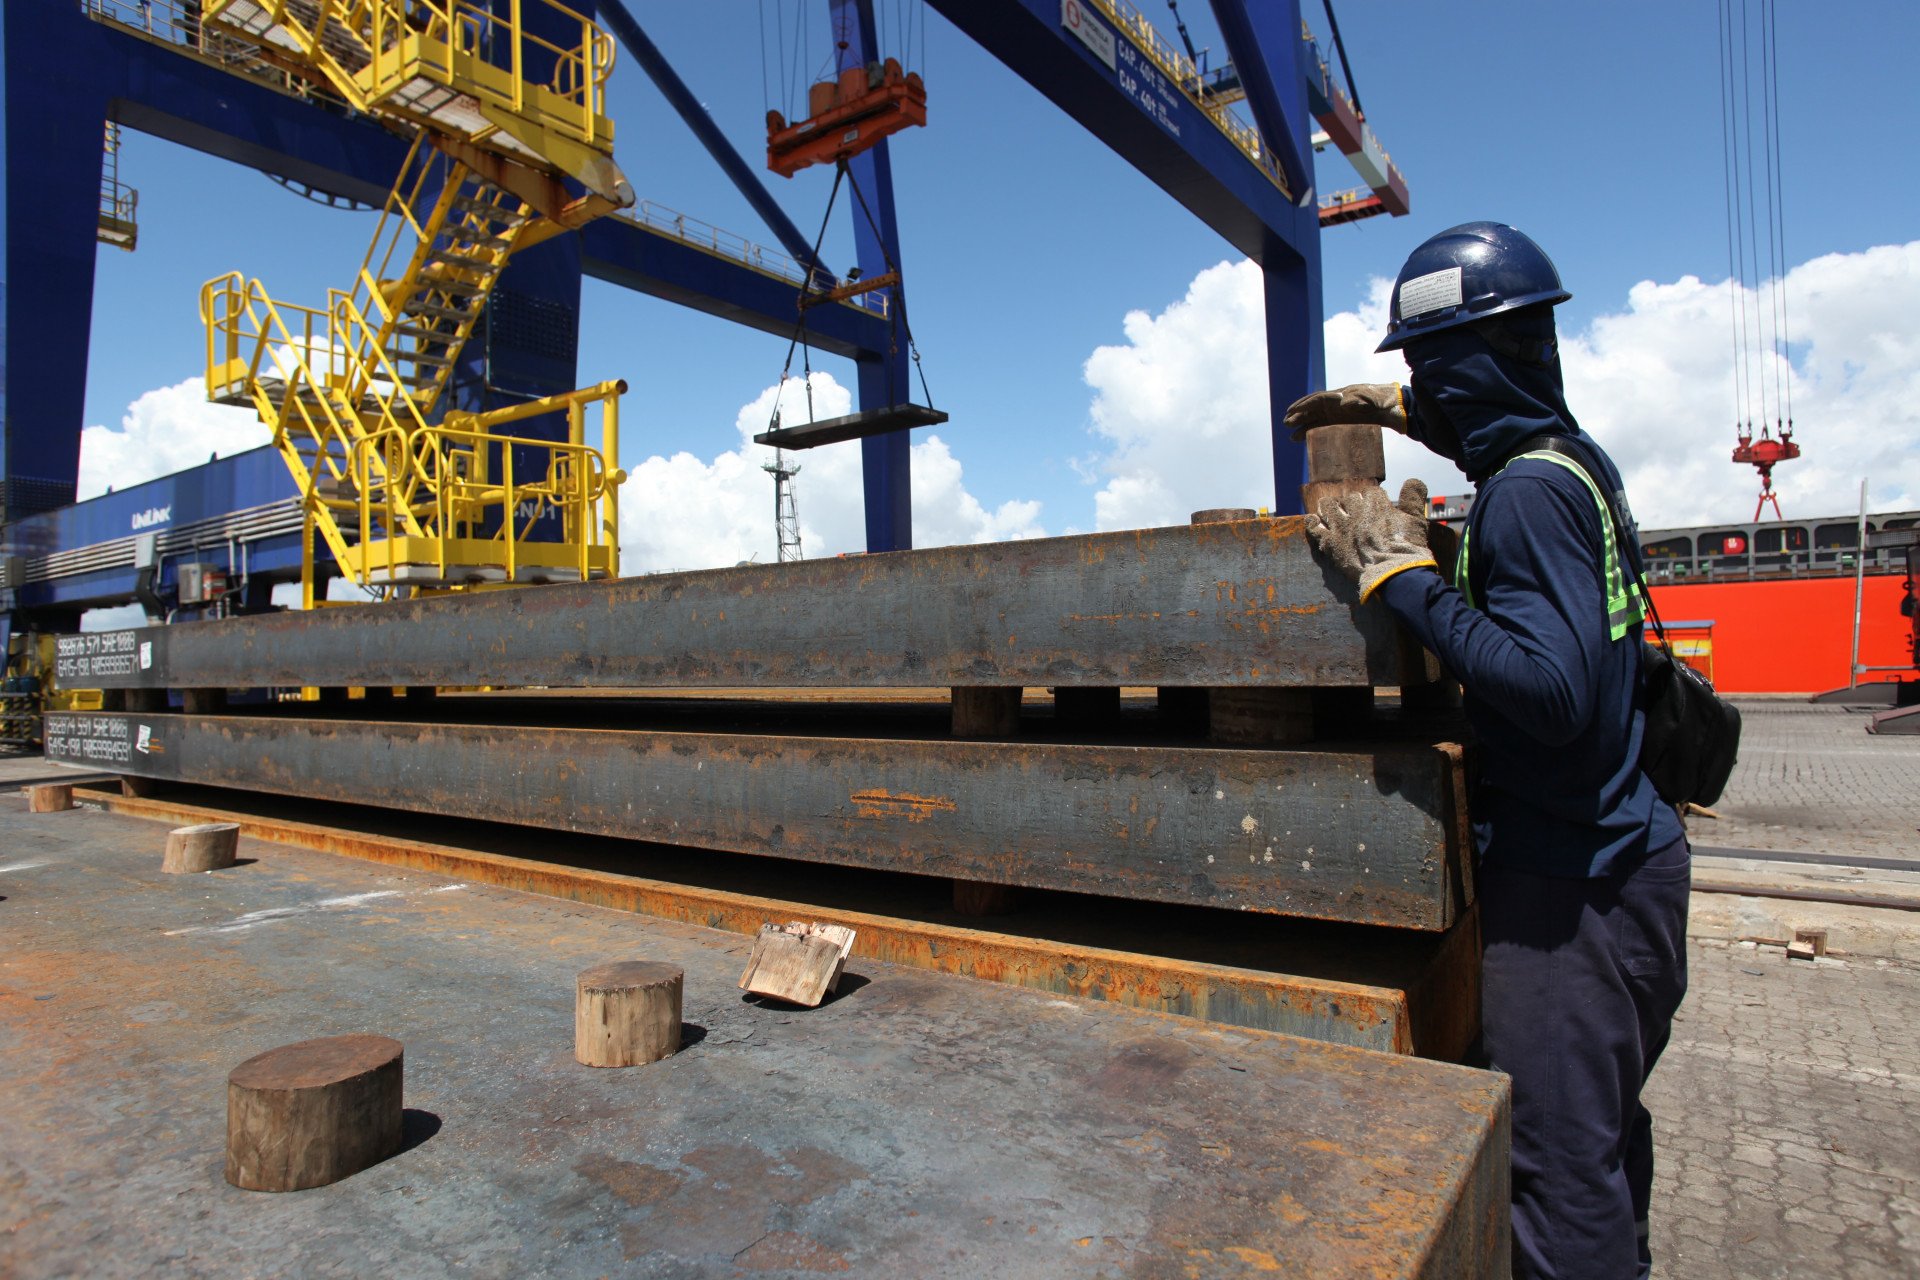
(1787, 1120)
(1812, 779)
(916, 1125)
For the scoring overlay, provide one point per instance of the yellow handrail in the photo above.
(349, 390)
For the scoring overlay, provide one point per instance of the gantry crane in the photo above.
(505, 104)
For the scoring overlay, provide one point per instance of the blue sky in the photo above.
(1026, 244)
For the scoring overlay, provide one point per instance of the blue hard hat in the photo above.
(1465, 274)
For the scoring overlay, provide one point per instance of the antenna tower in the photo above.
(786, 516)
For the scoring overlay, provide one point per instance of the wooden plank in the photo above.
(797, 962)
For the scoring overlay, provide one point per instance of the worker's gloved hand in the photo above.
(1378, 403)
(1370, 537)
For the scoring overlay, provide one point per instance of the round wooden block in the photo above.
(50, 797)
(627, 1014)
(206, 847)
(1342, 458)
(1346, 451)
(1220, 515)
(311, 1113)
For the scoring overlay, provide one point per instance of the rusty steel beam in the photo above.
(1398, 997)
(1371, 835)
(1239, 603)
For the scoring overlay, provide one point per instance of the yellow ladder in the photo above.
(405, 493)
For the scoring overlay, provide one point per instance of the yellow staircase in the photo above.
(405, 492)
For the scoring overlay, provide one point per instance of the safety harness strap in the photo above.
(1626, 604)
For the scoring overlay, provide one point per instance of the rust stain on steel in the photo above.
(1319, 1009)
(1207, 605)
(1365, 836)
(881, 803)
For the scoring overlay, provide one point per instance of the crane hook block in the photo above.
(849, 115)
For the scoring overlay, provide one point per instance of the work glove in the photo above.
(1378, 403)
(1371, 538)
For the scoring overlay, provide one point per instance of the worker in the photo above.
(1582, 871)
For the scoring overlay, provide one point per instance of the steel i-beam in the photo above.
(1239, 603)
(1373, 836)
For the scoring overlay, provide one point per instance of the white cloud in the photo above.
(1654, 383)
(1183, 407)
(685, 512)
(679, 512)
(163, 431)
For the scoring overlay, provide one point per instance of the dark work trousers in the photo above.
(1580, 983)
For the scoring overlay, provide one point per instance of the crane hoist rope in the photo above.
(898, 414)
(848, 114)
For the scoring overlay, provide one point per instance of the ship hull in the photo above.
(1793, 635)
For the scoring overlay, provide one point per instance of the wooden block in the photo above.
(798, 962)
(50, 797)
(1094, 707)
(1222, 515)
(146, 701)
(1438, 696)
(203, 702)
(980, 898)
(209, 846)
(986, 711)
(1342, 713)
(627, 1013)
(308, 1114)
(1342, 458)
(1260, 717)
(134, 701)
(1814, 938)
(1182, 706)
(1798, 950)
(138, 787)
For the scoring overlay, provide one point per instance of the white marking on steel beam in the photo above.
(271, 915)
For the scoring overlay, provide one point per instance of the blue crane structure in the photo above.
(1098, 60)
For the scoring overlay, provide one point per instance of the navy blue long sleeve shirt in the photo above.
(1554, 701)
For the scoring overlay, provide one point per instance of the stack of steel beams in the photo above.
(1247, 770)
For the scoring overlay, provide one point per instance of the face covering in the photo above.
(1479, 400)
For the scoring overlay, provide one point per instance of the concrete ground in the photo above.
(1784, 1108)
(1812, 779)
(1784, 1120)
